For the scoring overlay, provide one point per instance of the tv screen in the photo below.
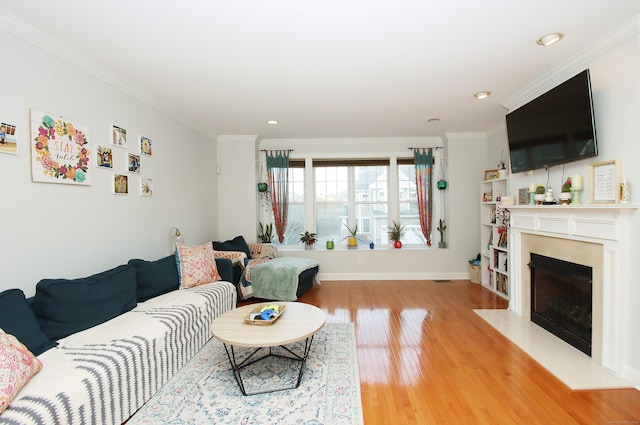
(554, 128)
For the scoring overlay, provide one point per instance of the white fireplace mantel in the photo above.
(606, 225)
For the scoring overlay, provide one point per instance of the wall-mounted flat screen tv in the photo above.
(554, 128)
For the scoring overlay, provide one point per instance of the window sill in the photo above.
(361, 248)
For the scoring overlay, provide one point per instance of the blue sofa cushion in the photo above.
(236, 244)
(63, 306)
(155, 277)
(17, 319)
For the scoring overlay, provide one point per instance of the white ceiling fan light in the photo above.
(549, 39)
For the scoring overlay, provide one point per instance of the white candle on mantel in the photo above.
(532, 187)
(576, 182)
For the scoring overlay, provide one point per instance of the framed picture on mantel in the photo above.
(604, 179)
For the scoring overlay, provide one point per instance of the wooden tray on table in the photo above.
(260, 322)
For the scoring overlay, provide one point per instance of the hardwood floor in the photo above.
(426, 358)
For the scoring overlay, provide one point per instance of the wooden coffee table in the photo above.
(298, 322)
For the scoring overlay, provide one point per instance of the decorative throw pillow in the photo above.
(196, 265)
(17, 366)
(17, 319)
(236, 244)
(155, 278)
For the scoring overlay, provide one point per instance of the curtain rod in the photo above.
(268, 150)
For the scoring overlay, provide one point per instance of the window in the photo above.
(367, 193)
(351, 195)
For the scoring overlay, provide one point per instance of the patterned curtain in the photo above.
(423, 161)
(278, 177)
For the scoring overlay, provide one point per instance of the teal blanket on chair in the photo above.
(277, 279)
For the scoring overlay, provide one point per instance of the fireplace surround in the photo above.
(597, 236)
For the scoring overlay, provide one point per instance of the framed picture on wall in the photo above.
(134, 163)
(146, 146)
(120, 184)
(146, 187)
(604, 179)
(490, 174)
(104, 157)
(118, 136)
(8, 140)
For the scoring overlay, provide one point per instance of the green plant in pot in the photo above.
(352, 239)
(308, 238)
(441, 228)
(266, 233)
(395, 233)
(565, 196)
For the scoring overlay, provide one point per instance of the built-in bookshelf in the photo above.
(494, 236)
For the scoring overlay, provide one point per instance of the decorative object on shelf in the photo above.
(625, 195)
(263, 187)
(308, 238)
(352, 239)
(565, 196)
(539, 196)
(605, 180)
(576, 188)
(266, 233)
(441, 228)
(371, 245)
(548, 199)
(502, 169)
(395, 233)
(329, 244)
(490, 174)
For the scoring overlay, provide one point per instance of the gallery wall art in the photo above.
(104, 157)
(118, 136)
(59, 150)
(146, 146)
(8, 139)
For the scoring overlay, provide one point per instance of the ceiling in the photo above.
(322, 68)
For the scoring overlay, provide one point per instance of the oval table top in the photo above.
(299, 321)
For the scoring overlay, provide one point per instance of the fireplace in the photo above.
(561, 299)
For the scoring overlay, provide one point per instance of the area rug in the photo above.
(205, 391)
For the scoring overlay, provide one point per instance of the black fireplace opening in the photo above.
(561, 299)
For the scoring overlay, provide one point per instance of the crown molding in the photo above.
(573, 65)
(37, 38)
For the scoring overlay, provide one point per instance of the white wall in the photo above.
(614, 65)
(63, 231)
(237, 191)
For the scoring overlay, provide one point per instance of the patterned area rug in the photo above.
(205, 391)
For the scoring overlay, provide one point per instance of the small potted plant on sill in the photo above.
(266, 233)
(352, 239)
(441, 228)
(395, 233)
(308, 239)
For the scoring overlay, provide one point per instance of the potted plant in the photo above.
(539, 196)
(396, 232)
(352, 239)
(308, 239)
(441, 229)
(565, 196)
(266, 233)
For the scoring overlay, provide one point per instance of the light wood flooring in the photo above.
(426, 358)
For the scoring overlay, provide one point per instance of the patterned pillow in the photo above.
(17, 366)
(196, 265)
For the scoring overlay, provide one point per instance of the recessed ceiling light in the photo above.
(549, 39)
(272, 122)
(433, 120)
(482, 94)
